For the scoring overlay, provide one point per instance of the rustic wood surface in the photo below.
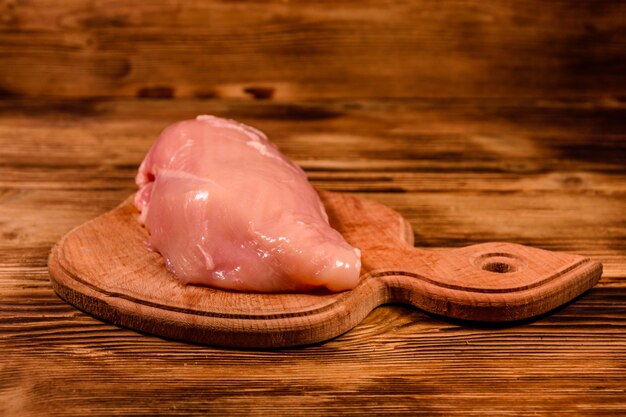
(549, 173)
(104, 268)
(312, 49)
(477, 121)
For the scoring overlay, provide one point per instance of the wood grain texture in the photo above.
(549, 173)
(292, 50)
(105, 268)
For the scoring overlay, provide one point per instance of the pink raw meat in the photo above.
(226, 209)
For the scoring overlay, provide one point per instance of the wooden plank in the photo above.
(517, 136)
(323, 49)
(397, 362)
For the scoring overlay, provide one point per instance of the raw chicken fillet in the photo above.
(226, 209)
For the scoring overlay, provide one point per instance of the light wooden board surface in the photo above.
(104, 268)
(545, 173)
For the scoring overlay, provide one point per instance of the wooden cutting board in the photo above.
(104, 268)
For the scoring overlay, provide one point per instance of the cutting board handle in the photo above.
(493, 281)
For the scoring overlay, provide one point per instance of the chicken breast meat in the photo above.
(226, 209)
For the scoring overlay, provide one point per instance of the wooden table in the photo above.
(478, 121)
(547, 174)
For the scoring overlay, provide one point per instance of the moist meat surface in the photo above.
(226, 209)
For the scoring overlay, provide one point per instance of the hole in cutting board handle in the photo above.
(499, 263)
(498, 267)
